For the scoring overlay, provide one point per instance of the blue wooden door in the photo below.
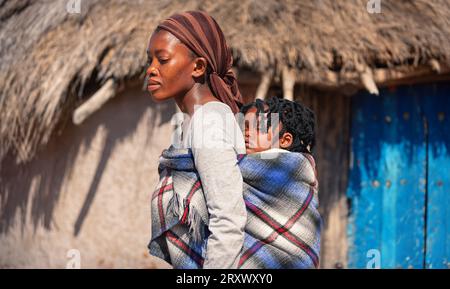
(437, 111)
(399, 180)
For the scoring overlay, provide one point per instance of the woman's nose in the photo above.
(152, 71)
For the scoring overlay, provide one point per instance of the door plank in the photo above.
(436, 104)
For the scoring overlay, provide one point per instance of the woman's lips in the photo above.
(153, 84)
(153, 87)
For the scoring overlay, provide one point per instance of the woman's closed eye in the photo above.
(161, 60)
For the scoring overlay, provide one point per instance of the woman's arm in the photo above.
(216, 163)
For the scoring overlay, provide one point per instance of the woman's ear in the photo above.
(286, 140)
(200, 66)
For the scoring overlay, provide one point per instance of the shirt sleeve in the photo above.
(215, 160)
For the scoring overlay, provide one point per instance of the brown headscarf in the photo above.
(201, 33)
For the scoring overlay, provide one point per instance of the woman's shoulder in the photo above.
(214, 113)
(214, 107)
(215, 122)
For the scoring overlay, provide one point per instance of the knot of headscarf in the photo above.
(201, 33)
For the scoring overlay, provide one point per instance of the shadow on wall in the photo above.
(36, 185)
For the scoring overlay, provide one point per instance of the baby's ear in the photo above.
(286, 140)
(200, 66)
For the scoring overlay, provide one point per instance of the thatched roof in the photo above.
(48, 56)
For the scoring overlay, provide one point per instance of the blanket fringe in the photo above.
(194, 220)
(196, 224)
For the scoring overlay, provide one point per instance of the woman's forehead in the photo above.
(163, 40)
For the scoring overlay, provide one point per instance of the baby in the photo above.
(292, 128)
(279, 176)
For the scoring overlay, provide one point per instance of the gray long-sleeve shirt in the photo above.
(215, 138)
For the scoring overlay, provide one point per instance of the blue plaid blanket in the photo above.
(281, 196)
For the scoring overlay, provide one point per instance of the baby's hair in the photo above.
(295, 118)
(260, 111)
(258, 103)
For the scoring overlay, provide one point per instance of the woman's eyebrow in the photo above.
(158, 51)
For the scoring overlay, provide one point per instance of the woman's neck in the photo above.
(199, 94)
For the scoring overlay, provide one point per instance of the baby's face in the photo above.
(257, 139)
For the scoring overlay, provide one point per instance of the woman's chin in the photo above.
(156, 96)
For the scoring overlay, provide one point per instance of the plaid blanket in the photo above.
(283, 225)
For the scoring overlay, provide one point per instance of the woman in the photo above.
(190, 62)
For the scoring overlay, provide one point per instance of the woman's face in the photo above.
(170, 67)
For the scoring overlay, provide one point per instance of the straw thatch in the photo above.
(52, 60)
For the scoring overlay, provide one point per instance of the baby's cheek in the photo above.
(264, 141)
